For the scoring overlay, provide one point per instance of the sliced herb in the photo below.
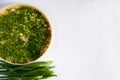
(24, 34)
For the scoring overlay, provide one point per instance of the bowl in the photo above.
(25, 33)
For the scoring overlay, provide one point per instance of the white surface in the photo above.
(86, 37)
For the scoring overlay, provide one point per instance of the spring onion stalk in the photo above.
(32, 71)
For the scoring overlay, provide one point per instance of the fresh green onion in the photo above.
(32, 71)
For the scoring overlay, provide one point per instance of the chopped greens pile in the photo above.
(24, 34)
(33, 71)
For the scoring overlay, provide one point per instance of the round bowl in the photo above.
(43, 49)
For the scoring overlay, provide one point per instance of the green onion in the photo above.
(32, 71)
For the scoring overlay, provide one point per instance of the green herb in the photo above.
(24, 35)
(33, 71)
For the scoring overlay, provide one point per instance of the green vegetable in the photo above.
(33, 71)
(24, 34)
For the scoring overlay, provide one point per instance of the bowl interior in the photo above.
(27, 33)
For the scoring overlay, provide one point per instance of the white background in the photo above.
(86, 37)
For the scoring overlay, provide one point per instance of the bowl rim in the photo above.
(17, 5)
